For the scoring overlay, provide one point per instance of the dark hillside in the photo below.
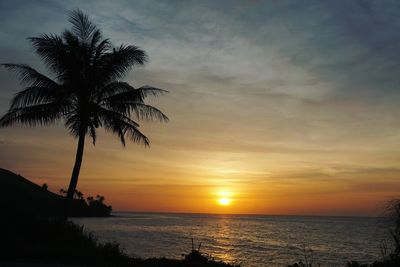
(19, 197)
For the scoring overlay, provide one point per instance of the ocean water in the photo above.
(247, 240)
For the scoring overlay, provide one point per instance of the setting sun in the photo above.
(224, 201)
(224, 198)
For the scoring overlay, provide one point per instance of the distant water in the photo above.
(252, 241)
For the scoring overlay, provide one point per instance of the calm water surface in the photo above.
(249, 240)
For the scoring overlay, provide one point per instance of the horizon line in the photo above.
(248, 214)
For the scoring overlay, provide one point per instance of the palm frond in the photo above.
(125, 92)
(131, 101)
(81, 25)
(72, 42)
(78, 123)
(122, 128)
(96, 38)
(148, 90)
(114, 65)
(74, 123)
(53, 51)
(29, 76)
(106, 114)
(92, 133)
(121, 125)
(143, 111)
(101, 49)
(136, 136)
(43, 114)
(112, 89)
(34, 95)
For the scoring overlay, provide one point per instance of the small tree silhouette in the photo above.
(97, 205)
(63, 192)
(100, 198)
(78, 194)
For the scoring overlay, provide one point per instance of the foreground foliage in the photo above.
(28, 240)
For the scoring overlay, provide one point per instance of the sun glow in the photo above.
(224, 198)
(224, 201)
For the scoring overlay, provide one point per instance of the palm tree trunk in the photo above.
(75, 174)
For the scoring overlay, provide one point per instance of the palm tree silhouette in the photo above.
(87, 91)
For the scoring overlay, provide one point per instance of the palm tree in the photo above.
(86, 91)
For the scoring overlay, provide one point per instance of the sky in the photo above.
(280, 107)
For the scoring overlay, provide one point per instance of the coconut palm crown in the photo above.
(86, 92)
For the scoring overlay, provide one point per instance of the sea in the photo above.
(248, 240)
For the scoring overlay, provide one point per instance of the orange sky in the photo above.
(287, 107)
(173, 178)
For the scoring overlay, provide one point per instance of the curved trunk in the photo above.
(75, 174)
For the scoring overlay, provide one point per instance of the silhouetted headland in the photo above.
(18, 195)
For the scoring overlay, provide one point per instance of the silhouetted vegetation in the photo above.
(19, 195)
(45, 186)
(89, 207)
(87, 91)
(27, 240)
